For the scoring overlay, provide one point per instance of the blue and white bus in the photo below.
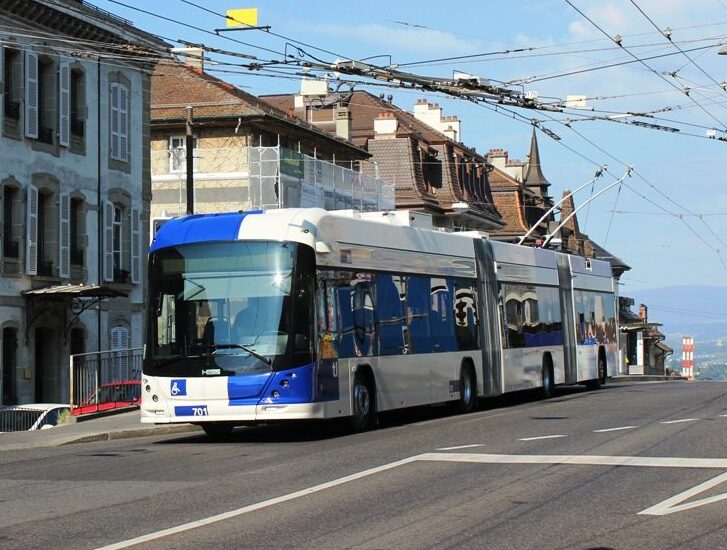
(290, 314)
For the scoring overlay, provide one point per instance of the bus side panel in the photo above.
(401, 380)
(523, 367)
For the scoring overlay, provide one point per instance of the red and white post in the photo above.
(688, 357)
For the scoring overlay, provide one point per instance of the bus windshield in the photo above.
(228, 308)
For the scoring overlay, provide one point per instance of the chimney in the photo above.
(193, 57)
(498, 158)
(385, 126)
(343, 122)
(643, 313)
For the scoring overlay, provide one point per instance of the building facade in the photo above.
(74, 188)
(246, 153)
(418, 152)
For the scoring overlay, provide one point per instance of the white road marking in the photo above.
(253, 507)
(671, 505)
(461, 447)
(587, 460)
(614, 429)
(723, 415)
(680, 420)
(541, 437)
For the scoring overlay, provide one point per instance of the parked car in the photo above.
(114, 395)
(35, 416)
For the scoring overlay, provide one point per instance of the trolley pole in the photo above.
(189, 153)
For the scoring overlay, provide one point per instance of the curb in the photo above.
(131, 433)
(109, 435)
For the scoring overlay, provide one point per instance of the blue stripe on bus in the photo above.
(305, 384)
(199, 228)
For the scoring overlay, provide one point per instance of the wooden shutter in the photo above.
(64, 103)
(31, 95)
(135, 246)
(114, 121)
(123, 124)
(108, 225)
(2, 82)
(64, 236)
(31, 231)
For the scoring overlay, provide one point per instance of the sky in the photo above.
(667, 220)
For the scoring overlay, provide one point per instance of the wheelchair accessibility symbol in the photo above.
(178, 387)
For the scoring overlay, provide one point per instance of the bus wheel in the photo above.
(595, 384)
(217, 431)
(363, 404)
(467, 390)
(547, 374)
(602, 370)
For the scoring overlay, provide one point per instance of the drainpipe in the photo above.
(99, 215)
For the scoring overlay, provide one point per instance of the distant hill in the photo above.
(698, 311)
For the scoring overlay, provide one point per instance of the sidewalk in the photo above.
(115, 426)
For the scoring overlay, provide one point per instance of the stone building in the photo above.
(74, 186)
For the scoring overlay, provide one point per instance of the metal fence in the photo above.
(105, 380)
(16, 419)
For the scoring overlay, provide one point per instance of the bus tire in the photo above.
(602, 370)
(547, 377)
(362, 403)
(467, 389)
(218, 431)
(596, 383)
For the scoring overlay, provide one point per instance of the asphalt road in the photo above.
(630, 466)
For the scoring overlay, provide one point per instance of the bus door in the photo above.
(489, 314)
(567, 319)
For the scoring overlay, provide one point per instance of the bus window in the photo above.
(389, 316)
(417, 314)
(465, 315)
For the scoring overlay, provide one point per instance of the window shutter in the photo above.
(123, 124)
(2, 82)
(31, 95)
(135, 246)
(31, 232)
(108, 222)
(116, 338)
(64, 236)
(65, 103)
(114, 121)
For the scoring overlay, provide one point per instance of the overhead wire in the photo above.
(643, 62)
(668, 37)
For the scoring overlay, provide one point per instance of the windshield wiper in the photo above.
(248, 349)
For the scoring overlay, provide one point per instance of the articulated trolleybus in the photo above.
(289, 314)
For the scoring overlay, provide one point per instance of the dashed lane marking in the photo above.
(461, 447)
(680, 421)
(614, 429)
(537, 438)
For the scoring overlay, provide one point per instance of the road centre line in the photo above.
(461, 447)
(587, 460)
(614, 429)
(541, 437)
(680, 421)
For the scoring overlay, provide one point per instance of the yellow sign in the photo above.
(242, 17)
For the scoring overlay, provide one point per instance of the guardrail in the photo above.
(104, 380)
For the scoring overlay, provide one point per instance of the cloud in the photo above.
(422, 42)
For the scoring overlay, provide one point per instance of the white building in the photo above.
(74, 189)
